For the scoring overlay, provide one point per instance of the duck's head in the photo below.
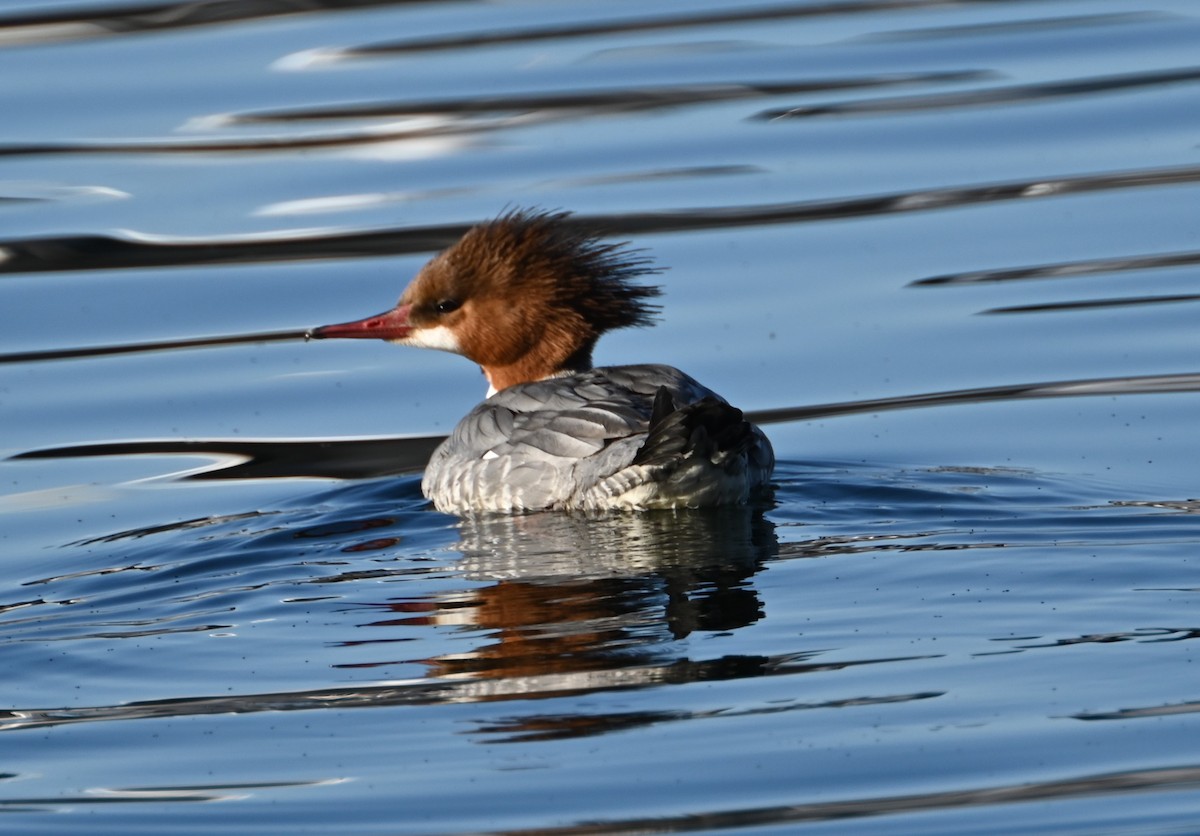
(525, 296)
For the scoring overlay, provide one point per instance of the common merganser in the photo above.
(526, 296)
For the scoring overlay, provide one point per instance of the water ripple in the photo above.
(1065, 269)
(1019, 93)
(1174, 778)
(361, 458)
(115, 252)
(123, 19)
(532, 34)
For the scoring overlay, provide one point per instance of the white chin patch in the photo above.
(439, 337)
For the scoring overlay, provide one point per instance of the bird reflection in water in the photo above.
(578, 603)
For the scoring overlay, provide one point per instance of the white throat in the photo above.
(563, 373)
(439, 337)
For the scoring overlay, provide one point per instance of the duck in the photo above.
(526, 296)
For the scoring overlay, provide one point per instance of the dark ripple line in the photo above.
(373, 457)
(1021, 27)
(1093, 304)
(154, 794)
(15, 805)
(624, 99)
(448, 691)
(1139, 713)
(110, 252)
(1128, 385)
(136, 348)
(104, 252)
(564, 727)
(1142, 780)
(1064, 270)
(992, 95)
(646, 24)
(118, 19)
(330, 458)
(270, 144)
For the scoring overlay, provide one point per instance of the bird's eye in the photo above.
(447, 305)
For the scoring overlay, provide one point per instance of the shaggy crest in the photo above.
(547, 256)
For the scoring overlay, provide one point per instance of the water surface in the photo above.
(946, 253)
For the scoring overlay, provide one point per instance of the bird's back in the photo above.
(619, 437)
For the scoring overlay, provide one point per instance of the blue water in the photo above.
(946, 252)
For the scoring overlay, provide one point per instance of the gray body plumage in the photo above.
(580, 442)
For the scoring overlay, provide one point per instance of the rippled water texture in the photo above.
(946, 253)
